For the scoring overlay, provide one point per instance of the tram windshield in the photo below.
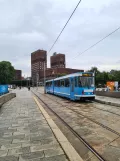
(86, 82)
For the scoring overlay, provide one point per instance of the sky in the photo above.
(29, 25)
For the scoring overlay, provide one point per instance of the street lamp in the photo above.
(94, 77)
(37, 75)
(44, 79)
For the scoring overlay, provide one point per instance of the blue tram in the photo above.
(77, 86)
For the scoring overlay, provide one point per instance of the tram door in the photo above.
(72, 89)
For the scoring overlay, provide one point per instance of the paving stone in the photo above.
(18, 133)
(9, 158)
(53, 152)
(7, 134)
(10, 146)
(116, 143)
(19, 151)
(19, 141)
(32, 155)
(31, 143)
(1, 134)
(42, 137)
(14, 137)
(114, 153)
(56, 158)
(43, 147)
(24, 132)
(50, 140)
(12, 128)
(94, 158)
(3, 141)
(3, 152)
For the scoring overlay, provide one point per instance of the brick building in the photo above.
(38, 58)
(58, 66)
(18, 74)
(57, 61)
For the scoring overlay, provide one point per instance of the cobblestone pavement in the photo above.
(24, 132)
(112, 101)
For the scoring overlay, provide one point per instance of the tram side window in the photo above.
(50, 84)
(67, 83)
(47, 84)
(79, 82)
(57, 83)
(62, 83)
(76, 82)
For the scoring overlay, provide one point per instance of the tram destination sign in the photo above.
(87, 75)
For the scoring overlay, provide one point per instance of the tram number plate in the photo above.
(89, 90)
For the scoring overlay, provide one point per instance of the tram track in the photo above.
(98, 123)
(72, 130)
(106, 110)
(96, 107)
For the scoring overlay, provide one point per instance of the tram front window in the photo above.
(86, 82)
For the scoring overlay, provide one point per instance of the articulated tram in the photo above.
(77, 86)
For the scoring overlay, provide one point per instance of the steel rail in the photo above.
(73, 131)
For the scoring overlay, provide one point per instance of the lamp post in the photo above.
(27, 81)
(37, 75)
(44, 79)
(21, 82)
(94, 77)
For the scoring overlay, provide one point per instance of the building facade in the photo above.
(58, 66)
(57, 61)
(18, 74)
(38, 61)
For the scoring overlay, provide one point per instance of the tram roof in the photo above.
(68, 76)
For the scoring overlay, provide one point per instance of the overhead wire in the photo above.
(65, 26)
(97, 42)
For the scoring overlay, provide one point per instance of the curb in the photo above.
(68, 149)
(7, 97)
(107, 103)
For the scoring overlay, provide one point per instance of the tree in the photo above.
(94, 69)
(7, 72)
(115, 75)
(101, 78)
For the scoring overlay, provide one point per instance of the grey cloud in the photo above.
(32, 24)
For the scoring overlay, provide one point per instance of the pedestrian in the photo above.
(107, 89)
(28, 88)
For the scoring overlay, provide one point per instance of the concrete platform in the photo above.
(25, 133)
(5, 98)
(108, 100)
